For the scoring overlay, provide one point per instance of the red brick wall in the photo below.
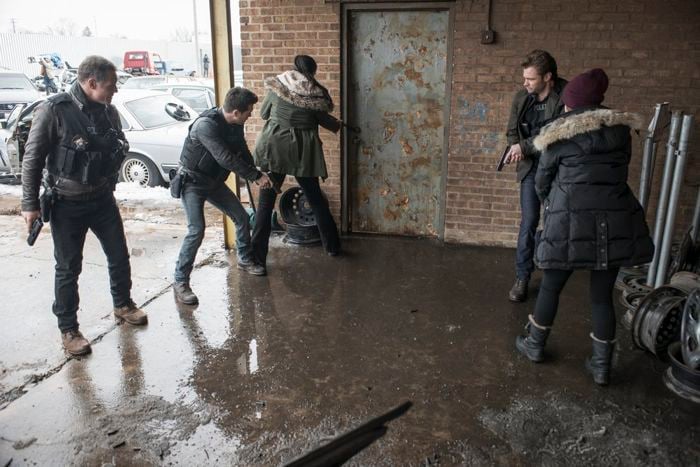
(650, 49)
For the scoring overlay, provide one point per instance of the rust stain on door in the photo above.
(396, 83)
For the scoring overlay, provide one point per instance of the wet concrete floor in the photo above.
(267, 368)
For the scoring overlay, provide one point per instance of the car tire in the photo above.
(140, 169)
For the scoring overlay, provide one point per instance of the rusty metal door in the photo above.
(396, 93)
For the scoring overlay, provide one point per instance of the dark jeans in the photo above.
(70, 221)
(601, 294)
(319, 205)
(529, 219)
(193, 197)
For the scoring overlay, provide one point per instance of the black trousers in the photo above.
(70, 221)
(601, 294)
(319, 206)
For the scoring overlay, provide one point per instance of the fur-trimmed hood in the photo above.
(293, 87)
(569, 125)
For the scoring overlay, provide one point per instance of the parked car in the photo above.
(15, 88)
(143, 62)
(147, 82)
(122, 77)
(155, 124)
(199, 96)
(178, 69)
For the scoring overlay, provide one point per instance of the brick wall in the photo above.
(650, 49)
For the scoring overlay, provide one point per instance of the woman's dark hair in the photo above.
(307, 66)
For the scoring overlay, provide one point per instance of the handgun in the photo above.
(34, 232)
(502, 160)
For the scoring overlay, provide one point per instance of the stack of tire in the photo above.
(299, 218)
(665, 322)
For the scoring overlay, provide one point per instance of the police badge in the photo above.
(80, 143)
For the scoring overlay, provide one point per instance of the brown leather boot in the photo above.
(75, 343)
(131, 314)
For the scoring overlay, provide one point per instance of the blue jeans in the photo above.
(70, 221)
(529, 219)
(193, 198)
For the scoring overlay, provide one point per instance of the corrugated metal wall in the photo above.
(15, 48)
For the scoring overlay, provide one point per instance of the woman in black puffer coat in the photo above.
(591, 218)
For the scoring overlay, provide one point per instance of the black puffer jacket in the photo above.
(591, 219)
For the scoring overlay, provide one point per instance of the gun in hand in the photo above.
(34, 232)
(502, 160)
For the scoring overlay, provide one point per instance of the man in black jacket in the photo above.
(77, 136)
(215, 147)
(532, 107)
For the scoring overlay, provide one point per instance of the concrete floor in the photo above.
(265, 369)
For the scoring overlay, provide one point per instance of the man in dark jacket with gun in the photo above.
(215, 147)
(532, 107)
(77, 136)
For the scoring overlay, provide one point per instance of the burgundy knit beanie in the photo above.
(585, 90)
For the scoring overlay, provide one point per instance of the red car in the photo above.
(141, 62)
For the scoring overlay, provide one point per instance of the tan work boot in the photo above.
(75, 343)
(131, 314)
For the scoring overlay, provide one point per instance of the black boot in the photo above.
(184, 294)
(600, 362)
(532, 345)
(518, 293)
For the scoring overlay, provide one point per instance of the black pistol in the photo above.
(34, 232)
(502, 160)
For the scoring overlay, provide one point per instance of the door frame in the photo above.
(347, 9)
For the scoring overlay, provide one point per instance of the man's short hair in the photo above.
(96, 67)
(239, 99)
(542, 61)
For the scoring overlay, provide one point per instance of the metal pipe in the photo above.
(647, 165)
(681, 155)
(648, 157)
(662, 205)
(696, 218)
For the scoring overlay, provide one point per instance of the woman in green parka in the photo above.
(289, 144)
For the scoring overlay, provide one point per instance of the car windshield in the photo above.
(143, 83)
(15, 82)
(150, 111)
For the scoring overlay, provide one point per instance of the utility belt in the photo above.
(182, 176)
(90, 196)
(86, 167)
